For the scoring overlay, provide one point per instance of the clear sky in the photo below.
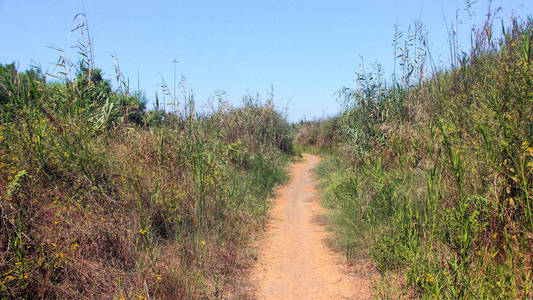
(306, 49)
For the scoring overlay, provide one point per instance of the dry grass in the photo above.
(433, 177)
(102, 199)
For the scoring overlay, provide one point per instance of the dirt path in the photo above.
(293, 260)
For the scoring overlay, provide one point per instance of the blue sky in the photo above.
(307, 50)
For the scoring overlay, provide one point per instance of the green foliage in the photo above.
(325, 133)
(440, 173)
(99, 198)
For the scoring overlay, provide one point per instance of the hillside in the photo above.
(101, 198)
(431, 178)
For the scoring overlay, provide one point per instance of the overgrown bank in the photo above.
(100, 198)
(432, 177)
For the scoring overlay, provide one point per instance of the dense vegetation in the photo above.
(101, 198)
(432, 176)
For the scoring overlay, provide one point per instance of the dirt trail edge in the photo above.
(293, 260)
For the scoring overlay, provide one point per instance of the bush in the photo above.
(440, 172)
(100, 199)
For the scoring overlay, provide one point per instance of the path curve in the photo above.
(293, 260)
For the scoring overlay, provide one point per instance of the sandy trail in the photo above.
(293, 260)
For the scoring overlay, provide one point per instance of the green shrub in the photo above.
(99, 198)
(439, 177)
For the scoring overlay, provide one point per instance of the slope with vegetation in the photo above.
(101, 198)
(432, 177)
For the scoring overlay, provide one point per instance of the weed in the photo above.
(100, 198)
(432, 176)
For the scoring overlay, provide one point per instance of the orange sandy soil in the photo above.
(293, 259)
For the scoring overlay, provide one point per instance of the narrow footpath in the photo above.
(293, 260)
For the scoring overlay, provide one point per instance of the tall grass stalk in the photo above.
(437, 184)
